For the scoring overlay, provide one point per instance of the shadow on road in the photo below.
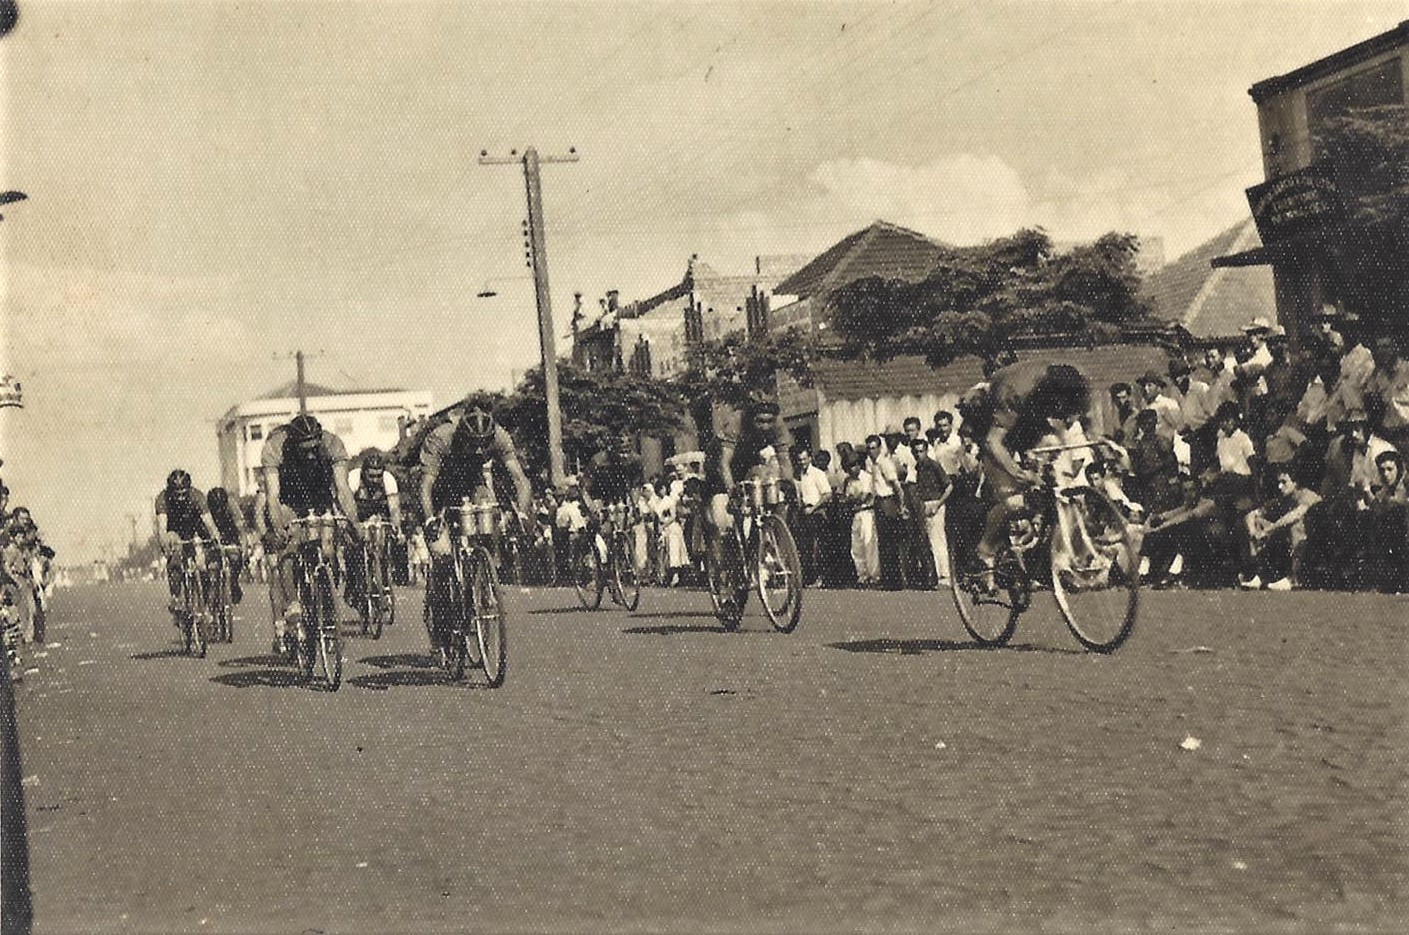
(676, 629)
(560, 610)
(918, 647)
(245, 662)
(160, 654)
(403, 678)
(416, 660)
(267, 678)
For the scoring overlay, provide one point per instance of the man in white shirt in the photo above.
(891, 511)
(947, 447)
(814, 492)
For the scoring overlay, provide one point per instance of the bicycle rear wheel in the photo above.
(200, 618)
(627, 584)
(728, 585)
(779, 574)
(490, 632)
(1097, 582)
(989, 609)
(587, 575)
(328, 634)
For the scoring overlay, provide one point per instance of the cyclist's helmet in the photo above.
(477, 427)
(373, 459)
(304, 434)
(178, 481)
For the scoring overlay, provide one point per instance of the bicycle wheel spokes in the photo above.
(1095, 572)
(989, 602)
(779, 575)
(326, 632)
(628, 585)
(489, 621)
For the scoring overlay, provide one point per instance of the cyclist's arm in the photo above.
(393, 505)
(342, 491)
(726, 470)
(523, 491)
(428, 478)
(210, 526)
(997, 436)
(278, 510)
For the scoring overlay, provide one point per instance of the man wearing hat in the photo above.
(1152, 388)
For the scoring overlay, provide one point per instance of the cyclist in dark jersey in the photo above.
(182, 513)
(231, 525)
(611, 475)
(455, 458)
(377, 496)
(305, 472)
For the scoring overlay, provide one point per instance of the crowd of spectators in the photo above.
(27, 576)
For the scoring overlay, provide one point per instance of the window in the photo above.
(342, 427)
(387, 425)
(255, 431)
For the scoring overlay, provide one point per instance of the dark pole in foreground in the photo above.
(16, 908)
(538, 259)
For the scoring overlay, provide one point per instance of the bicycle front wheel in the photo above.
(989, 601)
(200, 619)
(587, 575)
(1095, 571)
(779, 574)
(490, 633)
(628, 585)
(327, 633)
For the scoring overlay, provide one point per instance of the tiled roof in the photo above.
(911, 376)
(1212, 302)
(290, 391)
(883, 249)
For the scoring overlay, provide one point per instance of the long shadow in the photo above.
(578, 609)
(676, 629)
(675, 615)
(244, 662)
(416, 660)
(160, 654)
(918, 647)
(417, 678)
(266, 678)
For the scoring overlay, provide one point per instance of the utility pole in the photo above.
(538, 261)
(301, 386)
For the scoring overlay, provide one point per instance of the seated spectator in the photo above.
(1389, 387)
(1338, 528)
(1154, 469)
(1192, 533)
(1275, 532)
(1231, 485)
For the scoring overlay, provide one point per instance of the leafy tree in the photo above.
(1369, 250)
(731, 369)
(978, 298)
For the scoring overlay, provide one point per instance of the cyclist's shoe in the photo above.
(1250, 584)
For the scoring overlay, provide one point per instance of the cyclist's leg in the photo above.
(716, 523)
(283, 591)
(438, 584)
(173, 581)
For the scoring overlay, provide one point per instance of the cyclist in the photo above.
(230, 523)
(753, 443)
(454, 458)
(182, 513)
(305, 471)
(1022, 404)
(376, 494)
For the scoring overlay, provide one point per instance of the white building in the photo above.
(361, 418)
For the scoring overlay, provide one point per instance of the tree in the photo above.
(597, 406)
(979, 298)
(1368, 251)
(738, 366)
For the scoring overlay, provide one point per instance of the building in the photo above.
(361, 418)
(1299, 201)
(1213, 304)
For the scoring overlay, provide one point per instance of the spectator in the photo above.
(814, 496)
(859, 493)
(1389, 388)
(930, 491)
(674, 556)
(890, 510)
(1233, 482)
(1124, 407)
(1275, 532)
(1190, 535)
(1154, 469)
(1152, 388)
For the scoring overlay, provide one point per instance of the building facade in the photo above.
(361, 418)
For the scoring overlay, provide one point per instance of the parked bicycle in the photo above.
(377, 607)
(758, 553)
(475, 633)
(222, 585)
(193, 615)
(318, 643)
(1071, 539)
(602, 561)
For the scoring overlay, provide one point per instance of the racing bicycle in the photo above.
(222, 612)
(194, 616)
(475, 631)
(1069, 538)
(758, 553)
(614, 572)
(318, 642)
(377, 606)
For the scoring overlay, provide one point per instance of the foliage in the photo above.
(977, 299)
(1369, 250)
(731, 369)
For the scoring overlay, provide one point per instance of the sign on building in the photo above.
(1295, 204)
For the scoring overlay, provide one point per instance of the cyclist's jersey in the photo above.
(747, 451)
(183, 515)
(611, 480)
(459, 471)
(1009, 394)
(304, 486)
(372, 497)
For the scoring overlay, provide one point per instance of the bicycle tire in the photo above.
(489, 613)
(1099, 604)
(200, 617)
(989, 616)
(729, 609)
(778, 559)
(628, 584)
(372, 595)
(306, 648)
(329, 633)
(587, 577)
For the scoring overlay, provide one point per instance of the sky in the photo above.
(213, 185)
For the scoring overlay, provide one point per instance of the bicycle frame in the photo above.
(474, 529)
(315, 558)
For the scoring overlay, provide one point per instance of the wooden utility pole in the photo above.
(301, 385)
(538, 260)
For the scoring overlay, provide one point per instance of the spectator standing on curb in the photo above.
(814, 496)
(930, 492)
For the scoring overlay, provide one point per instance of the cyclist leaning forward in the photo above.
(454, 458)
(305, 472)
(182, 513)
(1024, 406)
(377, 496)
(612, 476)
(738, 448)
